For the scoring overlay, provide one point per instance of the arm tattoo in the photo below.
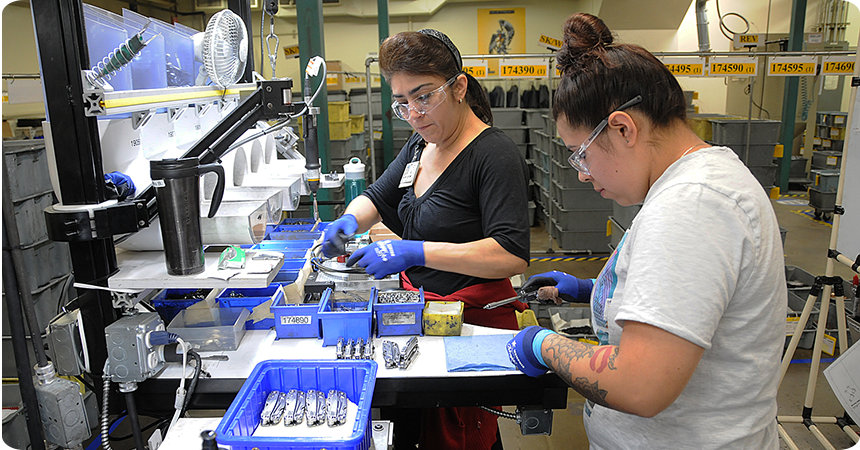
(600, 358)
(590, 391)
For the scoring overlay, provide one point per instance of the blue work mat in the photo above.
(477, 353)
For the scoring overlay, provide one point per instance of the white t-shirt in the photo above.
(702, 260)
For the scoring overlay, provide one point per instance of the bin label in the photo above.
(791, 66)
(475, 68)
(832, 160)
(523, 68)
(791, 324)
(834, 65)
(686, 67)
(745, 66)
(398, 318)
(295, 320)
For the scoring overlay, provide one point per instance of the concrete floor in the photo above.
(806, 246)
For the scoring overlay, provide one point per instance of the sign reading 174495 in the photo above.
(523, 68)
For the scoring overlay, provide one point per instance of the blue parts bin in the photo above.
(398, 312)
(298, 320)
(250, 299)
(346, 318)
(169, 302)
(356, 379)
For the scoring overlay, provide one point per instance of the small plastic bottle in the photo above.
(354, 183)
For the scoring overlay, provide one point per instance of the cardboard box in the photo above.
(380, 232)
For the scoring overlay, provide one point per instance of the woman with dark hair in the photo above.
(690, 308)
(457, 196)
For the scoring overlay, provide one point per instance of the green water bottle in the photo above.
(354, 184)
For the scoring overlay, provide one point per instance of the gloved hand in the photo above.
(524, 350)
(337, 234)
(120, 185)
(389, 256)
(570, 288)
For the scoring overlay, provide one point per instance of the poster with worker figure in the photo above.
(502, 31)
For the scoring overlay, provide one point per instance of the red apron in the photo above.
(468, 428)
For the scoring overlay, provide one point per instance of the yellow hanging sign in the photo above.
(550, 43)
(291, 51)
(686, 67)
(523, 68)
(835, 65)
(734, 67)
(791, 65)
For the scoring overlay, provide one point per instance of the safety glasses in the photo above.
(422, 104)
(577, 158)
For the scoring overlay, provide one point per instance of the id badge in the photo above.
(409, 174)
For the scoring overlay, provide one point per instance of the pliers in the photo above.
(525, 295)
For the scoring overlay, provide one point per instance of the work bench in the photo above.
(426, 383)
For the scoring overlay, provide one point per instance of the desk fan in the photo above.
(222, 48)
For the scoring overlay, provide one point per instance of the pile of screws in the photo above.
(398, 296)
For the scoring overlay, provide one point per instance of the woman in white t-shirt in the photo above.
(690, 308)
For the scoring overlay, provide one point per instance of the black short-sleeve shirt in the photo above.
(481, 194)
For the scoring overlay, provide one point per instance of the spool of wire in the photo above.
(119, 58)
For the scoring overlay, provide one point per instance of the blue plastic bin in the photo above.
(168, 308)
(347, 324)
(398, 319)
(356, 378)
(285, 277)
(190, 32)
(298, 321)
(290, 249)
(293, 236)
(251, 299)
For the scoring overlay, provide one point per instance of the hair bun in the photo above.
(584, 35)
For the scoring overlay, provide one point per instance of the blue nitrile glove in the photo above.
(524, 350)
(389, 256)
(570, 288)
(120, 183)
(337, 234)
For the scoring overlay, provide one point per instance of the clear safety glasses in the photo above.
(577, 158)
(422, 104)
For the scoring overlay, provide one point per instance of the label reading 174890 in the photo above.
(295, 320)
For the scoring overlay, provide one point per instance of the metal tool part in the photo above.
(294, 411)
(315, 407)
(368, 350)
(280, 406)
(409, 353)
(359, 349)
(350, 349)
(391, 354)
(524, 296)
(336, 408)
(340, 349)
(269, 408)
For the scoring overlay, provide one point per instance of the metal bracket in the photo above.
(77, 225)
(141, 118)
(94, 98)
(123, 301)
(225, 103)
(173, 114)
(200, 109)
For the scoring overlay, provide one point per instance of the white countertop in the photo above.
(261, 345)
